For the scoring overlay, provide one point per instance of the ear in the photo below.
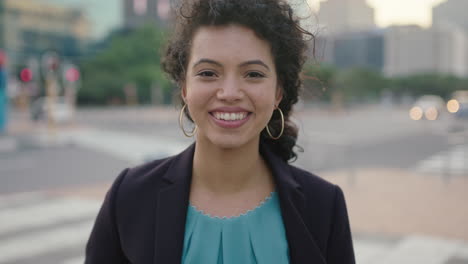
(279, 95)
(183, 91)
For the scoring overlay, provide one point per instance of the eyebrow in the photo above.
(257, 62)
(250, 62)
(207, 61)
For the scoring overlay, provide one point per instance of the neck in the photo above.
(230, 170)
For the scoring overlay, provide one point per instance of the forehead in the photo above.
(229, 43)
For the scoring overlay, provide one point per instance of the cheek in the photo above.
(197, 97)
(264, 98)
(193, 102)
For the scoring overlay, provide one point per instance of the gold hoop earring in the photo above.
(181, 123)
(282, 126)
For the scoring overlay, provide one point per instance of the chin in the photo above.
(228, 142)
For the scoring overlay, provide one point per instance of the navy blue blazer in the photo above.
(142, 219)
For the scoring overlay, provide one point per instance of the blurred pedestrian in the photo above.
(231, 197)
(3, 93)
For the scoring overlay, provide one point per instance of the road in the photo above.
(365, 137)
(51, 185)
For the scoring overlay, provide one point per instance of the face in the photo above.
(231, 86)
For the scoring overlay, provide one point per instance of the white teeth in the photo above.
(229, 116)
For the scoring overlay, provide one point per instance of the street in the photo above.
(53, 181)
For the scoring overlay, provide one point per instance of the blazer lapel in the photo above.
(302, 246)
(171, 209)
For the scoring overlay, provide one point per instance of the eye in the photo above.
(255, 75)
(206, 74)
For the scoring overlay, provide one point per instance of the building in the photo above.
(452, 12)
(28, 28)
(412, 50)
(105, 15)
(361, 49)
(345, 25)
(141, 12)
(346, 15)
(451, 16)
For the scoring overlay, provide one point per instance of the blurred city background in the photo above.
(383, 113)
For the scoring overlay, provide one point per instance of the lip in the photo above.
(230, 124)
(229, 109)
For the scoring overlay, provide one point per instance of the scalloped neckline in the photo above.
(244, 214)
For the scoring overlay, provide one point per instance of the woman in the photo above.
(231, 197)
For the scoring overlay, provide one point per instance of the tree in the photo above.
(360, 85)
(428, 83)
(328, 84)
(318, 82)
(132, 58)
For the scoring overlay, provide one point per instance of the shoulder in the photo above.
(140, 183)
(133, 194)
(148, 171)
(142, 178)
(312, 184)
(320, 195)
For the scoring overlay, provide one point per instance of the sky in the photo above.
(391, 12)
(105, 15)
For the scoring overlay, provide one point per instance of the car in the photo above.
(61, 110)
(458, 105)
(428, 107)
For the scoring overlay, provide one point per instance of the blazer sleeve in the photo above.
(340, 243)
(104, 242)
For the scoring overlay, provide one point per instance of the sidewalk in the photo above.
(396, 202)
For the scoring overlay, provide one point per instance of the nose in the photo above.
(230, 90)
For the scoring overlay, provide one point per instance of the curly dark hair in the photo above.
(272, 21)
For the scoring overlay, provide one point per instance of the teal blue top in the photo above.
(257, 236)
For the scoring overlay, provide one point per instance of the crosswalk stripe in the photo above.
(368, 252)
(78, 260)
(421, 250)
(131, 147)
(453, 161)
(46, 213)
(462, 252)
(11, 200)
(45, 241)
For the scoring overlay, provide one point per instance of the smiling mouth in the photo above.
(224, 116)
